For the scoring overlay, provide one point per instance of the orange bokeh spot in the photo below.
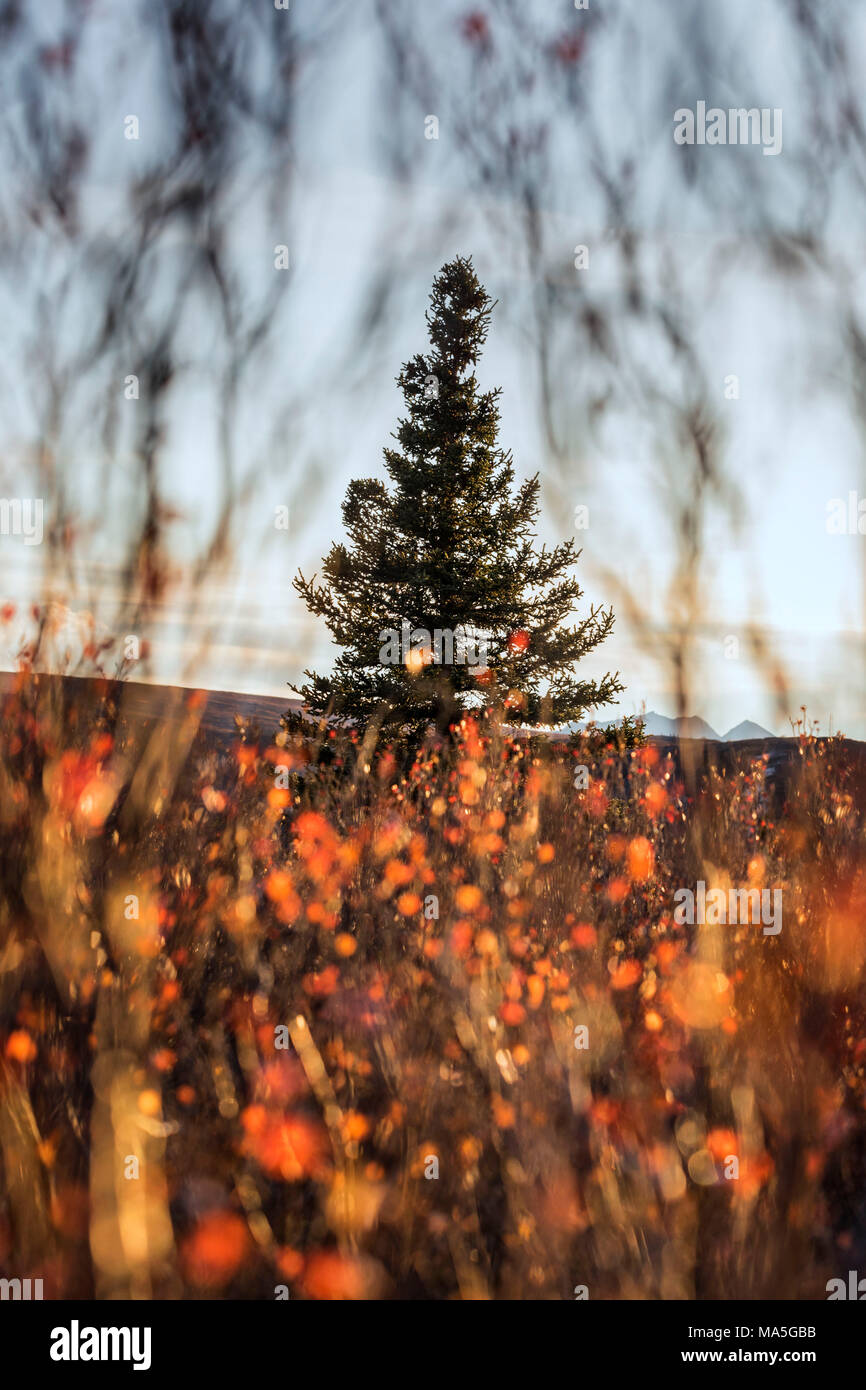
(535, 990)
(322, 982)
(278, 885)
(468, 897)
(584, 935)
(289, 1262)
(626, 974)
(355, 1126)
(398, 873)
(20, 1047)
(149, 1102)
(486, 943)
(217, 1248)
(285, 1146)
(503, 1113)
(330, 1275)
(722, 1143)
(512, 1013)
(617, 890)
(640, 859)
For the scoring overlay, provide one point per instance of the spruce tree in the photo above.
(450, 547)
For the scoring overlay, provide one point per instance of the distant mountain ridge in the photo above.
(692, 726)
(747, 728)
(688, 726)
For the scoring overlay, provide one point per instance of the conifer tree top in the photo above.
(459, 315)
(450, 549)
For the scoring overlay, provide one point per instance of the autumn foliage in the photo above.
(340, 1031)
